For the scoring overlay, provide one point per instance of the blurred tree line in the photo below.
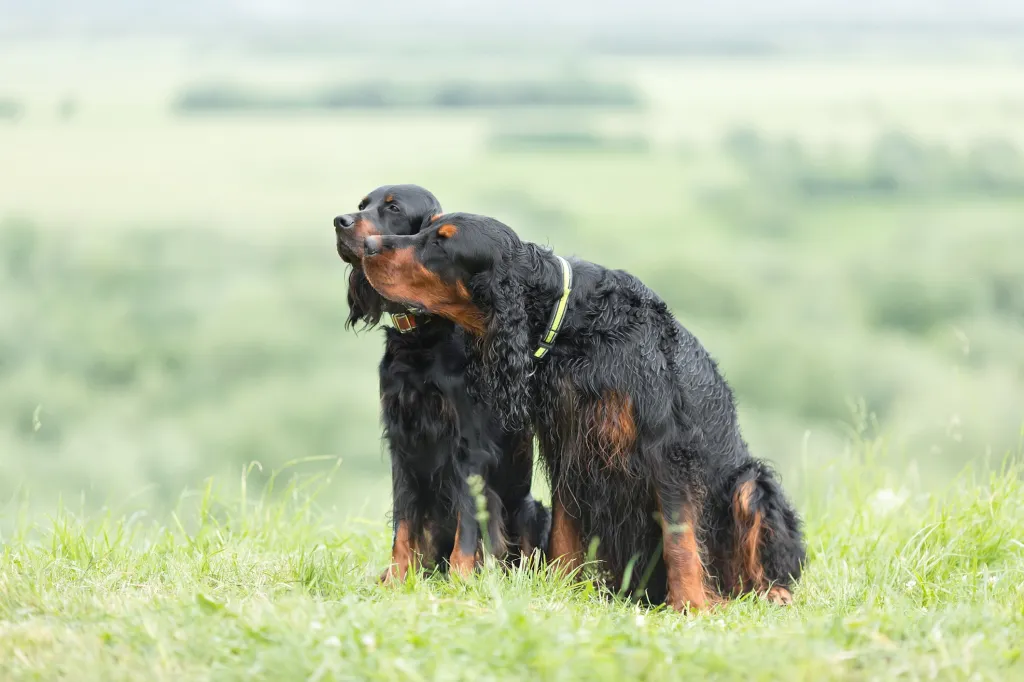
(378, 94)
(896, 163)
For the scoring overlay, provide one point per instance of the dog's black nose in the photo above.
(372, 245)
(343, 222)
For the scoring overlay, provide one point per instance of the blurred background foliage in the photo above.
(838, 213)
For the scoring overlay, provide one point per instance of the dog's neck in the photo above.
(544, 286)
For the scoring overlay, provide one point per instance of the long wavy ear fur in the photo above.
(364, 303)
(505, 360)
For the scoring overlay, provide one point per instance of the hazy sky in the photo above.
(350, 15)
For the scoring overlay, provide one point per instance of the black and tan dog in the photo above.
(438, 437)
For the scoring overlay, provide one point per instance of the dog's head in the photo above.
(388, 210)
(457, 268)
(392, 209)
(469, 269)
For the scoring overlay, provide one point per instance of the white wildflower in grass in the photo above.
(886, 501)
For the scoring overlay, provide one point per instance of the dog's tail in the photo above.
(767, 553)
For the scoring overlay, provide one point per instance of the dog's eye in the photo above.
(394, 208)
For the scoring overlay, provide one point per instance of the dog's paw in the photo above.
(779, 596)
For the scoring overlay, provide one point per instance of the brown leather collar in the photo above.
(406, 322)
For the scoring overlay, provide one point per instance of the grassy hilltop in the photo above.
(900, 584)
(841, 224)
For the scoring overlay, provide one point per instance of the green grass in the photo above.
(900, 585)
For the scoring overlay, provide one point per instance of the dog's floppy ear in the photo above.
(505, 362)
(364, 303)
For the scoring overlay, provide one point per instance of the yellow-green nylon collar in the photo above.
(558, 314)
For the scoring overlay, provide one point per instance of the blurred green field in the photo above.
(845, 235)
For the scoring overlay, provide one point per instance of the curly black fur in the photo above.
(437, 437)
(637, 428)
